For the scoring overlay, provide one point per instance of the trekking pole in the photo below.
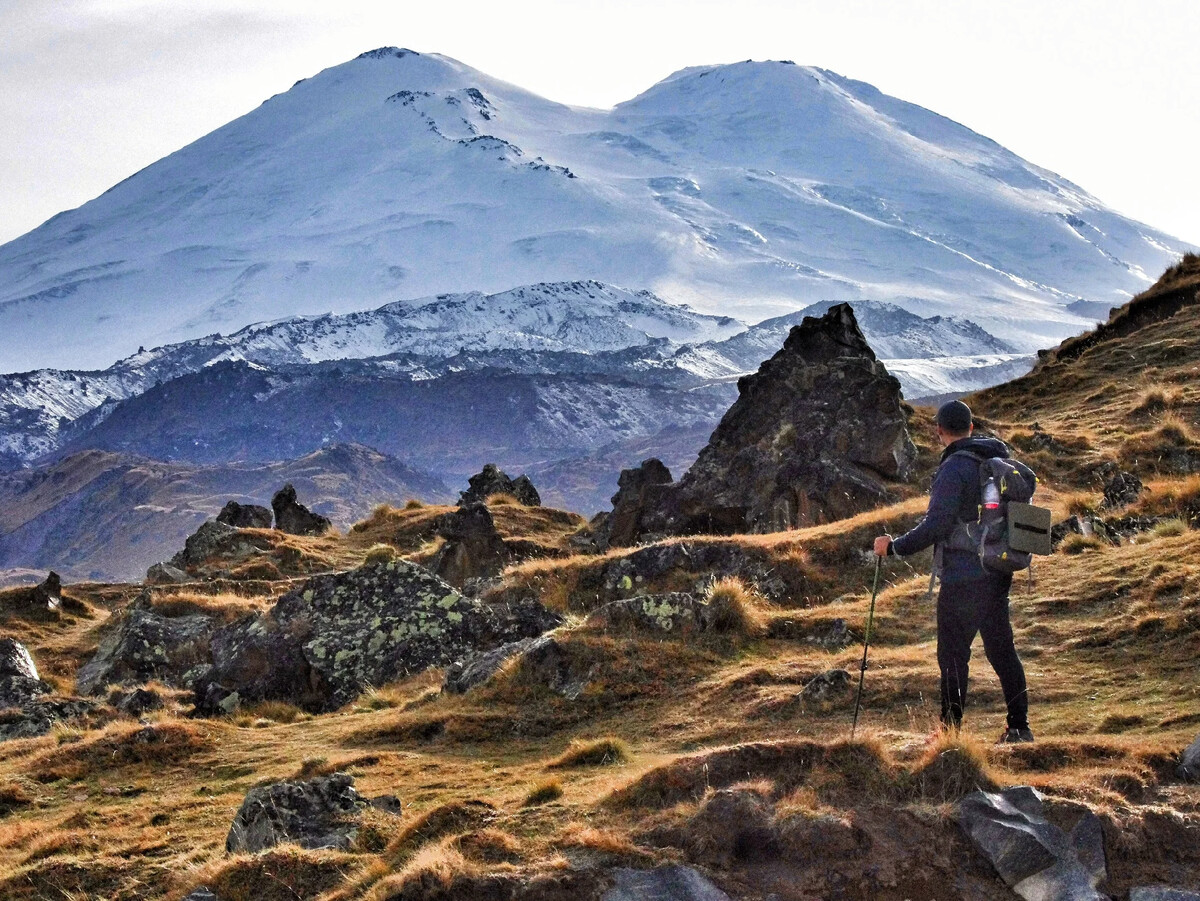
(862, 672)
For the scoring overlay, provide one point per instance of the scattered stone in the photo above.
(475, 669)
(293, 517)
(142, 644)
(550, 663)
(637, 490)
(492, 480)
(1162, 893)
(137, 703)
(1189, 762)
(201, 894)
(320, 813)
(323, 643)
(1034, 857)
(1121, 490)
(826, 688)
(667, 883)
(815, 435)
(245, 516)
(165, 574)
(473, 548)
(15, 660)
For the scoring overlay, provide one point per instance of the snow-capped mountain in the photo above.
(747, 190)
(582, 364)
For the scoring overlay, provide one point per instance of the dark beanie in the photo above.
(954, 417)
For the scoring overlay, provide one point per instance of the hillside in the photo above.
(683, 713)
(746, 190)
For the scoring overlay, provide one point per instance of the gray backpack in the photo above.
(1009, 530)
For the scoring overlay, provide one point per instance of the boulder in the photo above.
(1034, 857)
(473, 549)
(215, 541)
(48, 595)
(667, 883)
(676, 613)
(1162, 893)
(165, 574)
(492, 480)
(817, 434)
(26, 710)
(1189, 762)
(201, 894)
(548, 662)
(142, 644)
(320, 813)
(138, 702)
(477, 668)
(1122, 489)
(637, 490)
(323, 643)
(293, 517)
(245, 516)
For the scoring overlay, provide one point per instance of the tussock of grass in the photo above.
(413, 504)
(489, 846)
(543, 793)
(379, 553)
(428, 875)
(736, 608)
(955, 765)
(599, 752)
(1170, 528)
(1079, 544)
(284, 873)
(502, 499)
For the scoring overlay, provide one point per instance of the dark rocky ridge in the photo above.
(817, 434)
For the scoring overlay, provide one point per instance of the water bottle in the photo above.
(991, 495)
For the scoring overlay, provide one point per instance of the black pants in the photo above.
(964, 609)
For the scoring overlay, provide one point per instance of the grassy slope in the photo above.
(1110, 636)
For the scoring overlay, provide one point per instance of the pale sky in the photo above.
(1104, 93)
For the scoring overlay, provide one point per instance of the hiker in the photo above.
(972, 599)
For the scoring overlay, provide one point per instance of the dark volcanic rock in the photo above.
(1123, 489)
(666, 883)
(320, 813)
(143, 645)
(27, 710)
(295, 518)
(245, 516)
(325, 642)
(815, 435)
(637, 490)
(473, 548)
(493, 481)
(1034, 857)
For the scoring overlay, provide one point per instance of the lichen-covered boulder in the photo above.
(293, 517)
(676, 613)
(320, 813)
(325, 642)
(245, 516)
(142, 644)
(492, 481)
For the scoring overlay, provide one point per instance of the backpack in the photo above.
(1009, 530)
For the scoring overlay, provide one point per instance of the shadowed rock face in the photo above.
(245, 516)
(473, 548)
(293, 517)
(814, 436)
(492, 480)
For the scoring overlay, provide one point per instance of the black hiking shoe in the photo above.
(1014, 736)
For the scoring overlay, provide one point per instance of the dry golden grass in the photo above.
(598, 752)
(736, 609)
(544, 792)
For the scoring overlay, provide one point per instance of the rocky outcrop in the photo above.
(26, 708)
(216, 542)
(473, 549)
(293, 517)
(1034, 857)
(142, 644)
(245, 516)
(165, 574)
(320, 813)
(817, 434)
(48, 595)
(477, 668)
(637, 490)
(1189, 762)
(1121, 489)
(667, 883)
(492, 481)
(325, 642)
(824, 690)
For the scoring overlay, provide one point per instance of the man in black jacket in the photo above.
(972, 600)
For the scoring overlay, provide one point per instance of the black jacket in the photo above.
(954, 498)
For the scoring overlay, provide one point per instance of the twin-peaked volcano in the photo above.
(749, 190)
